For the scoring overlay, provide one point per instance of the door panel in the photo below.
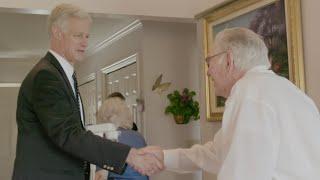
(124, 80)
(88, 95)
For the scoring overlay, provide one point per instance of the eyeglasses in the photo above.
(215, 55)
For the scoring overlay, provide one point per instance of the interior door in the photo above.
(88, 93)
(124, 80)
(122, 77)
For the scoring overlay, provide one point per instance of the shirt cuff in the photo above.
(171, 159)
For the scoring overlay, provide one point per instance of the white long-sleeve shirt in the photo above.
(270, 131)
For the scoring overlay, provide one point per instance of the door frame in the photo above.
(116, 66)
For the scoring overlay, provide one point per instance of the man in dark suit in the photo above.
(52, 141)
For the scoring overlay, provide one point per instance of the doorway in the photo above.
(122, 77)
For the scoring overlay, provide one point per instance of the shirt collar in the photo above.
(67, 67)
(261, 68)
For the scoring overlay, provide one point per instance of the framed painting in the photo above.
(278, 22)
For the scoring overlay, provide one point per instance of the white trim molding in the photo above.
(120, 64)
(135, 25)
(30, 54)
(25, 11)
(9, 85)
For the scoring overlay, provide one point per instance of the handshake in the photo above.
(147, 161)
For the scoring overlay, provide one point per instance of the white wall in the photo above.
(169, 49)
(311, 39)
(14, 70)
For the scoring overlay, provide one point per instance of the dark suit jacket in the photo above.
(52, 143)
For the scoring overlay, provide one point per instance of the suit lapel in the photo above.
(57, 65)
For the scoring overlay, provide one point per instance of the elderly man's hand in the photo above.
(155, 151)
(144, 163)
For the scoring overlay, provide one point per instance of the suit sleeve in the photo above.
(59, 117)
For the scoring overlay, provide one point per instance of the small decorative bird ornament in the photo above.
(159, 87)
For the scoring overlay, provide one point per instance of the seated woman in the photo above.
(114, 110)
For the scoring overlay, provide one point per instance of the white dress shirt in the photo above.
(69, 70)
(270, 131)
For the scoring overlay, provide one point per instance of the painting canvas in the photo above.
(269, 19)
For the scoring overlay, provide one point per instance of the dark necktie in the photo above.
(75, 83)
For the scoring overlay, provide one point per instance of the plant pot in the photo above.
(179, 119)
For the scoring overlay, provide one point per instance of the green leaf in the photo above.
(183, 104)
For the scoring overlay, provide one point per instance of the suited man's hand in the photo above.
(101, 175)
(144, 163)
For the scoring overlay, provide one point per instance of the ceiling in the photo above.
(25, 35)
(164, 8)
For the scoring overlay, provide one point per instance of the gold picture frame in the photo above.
(252, 14)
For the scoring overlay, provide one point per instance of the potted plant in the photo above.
(182, 106)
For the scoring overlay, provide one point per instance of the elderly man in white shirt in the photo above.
(270, 128)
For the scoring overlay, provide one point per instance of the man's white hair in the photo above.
(247, 47)
(60, 14)
(115, 110)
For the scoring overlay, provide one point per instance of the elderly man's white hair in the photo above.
(115, 110)
(247, 47)
(60, 14)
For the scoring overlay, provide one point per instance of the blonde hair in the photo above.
(60, 14)
(115, 110)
